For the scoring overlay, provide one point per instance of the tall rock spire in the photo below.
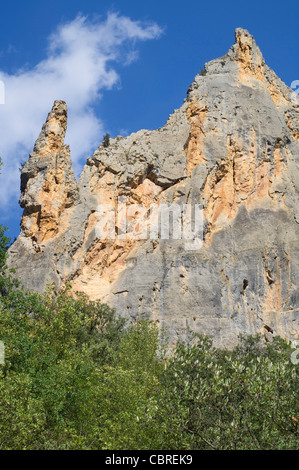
(48, 183)
(51, 139)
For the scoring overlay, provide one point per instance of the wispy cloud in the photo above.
(79, 66)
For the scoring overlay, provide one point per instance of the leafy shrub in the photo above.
(243, 399)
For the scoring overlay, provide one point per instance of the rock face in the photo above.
(233, 148)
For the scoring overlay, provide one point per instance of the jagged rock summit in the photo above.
(233, 148)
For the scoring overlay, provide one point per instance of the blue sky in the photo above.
(118, 73)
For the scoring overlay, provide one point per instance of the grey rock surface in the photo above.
(233, 149)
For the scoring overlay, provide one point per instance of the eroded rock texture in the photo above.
(232, 147)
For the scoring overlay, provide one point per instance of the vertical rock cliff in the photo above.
(233, 149)
(48, 183)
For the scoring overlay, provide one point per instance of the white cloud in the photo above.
(78, 67)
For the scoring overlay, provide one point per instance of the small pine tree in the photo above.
(106, 140)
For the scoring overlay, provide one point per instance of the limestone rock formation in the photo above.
(233, 148)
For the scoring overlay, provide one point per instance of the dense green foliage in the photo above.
(55, 347)
(74, 377)
(244, 399)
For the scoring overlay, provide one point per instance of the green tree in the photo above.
(130, 389)
(243, 399)
(55, 346)
(106, 140)
(4, 241)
